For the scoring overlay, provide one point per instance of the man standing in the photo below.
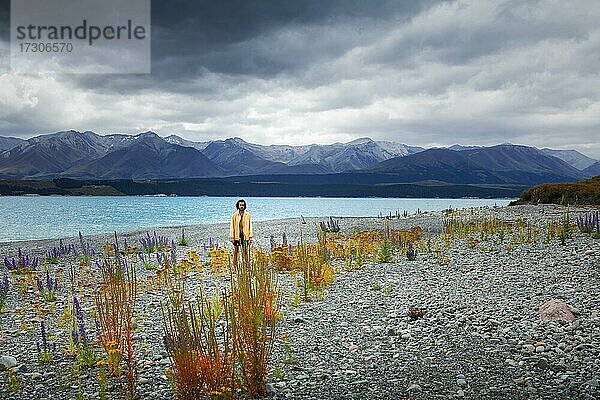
(240, 231)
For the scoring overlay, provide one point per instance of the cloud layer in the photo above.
(426, 73)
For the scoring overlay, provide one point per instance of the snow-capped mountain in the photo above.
(149, 156)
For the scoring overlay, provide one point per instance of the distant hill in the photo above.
(87, 154)
(586, 192)
(593, 169)
(235, 159)
(9, 142)
(571, 157)
(174, 139)
(239, 157)
(147, 157)
(493, 165)
(49, 155)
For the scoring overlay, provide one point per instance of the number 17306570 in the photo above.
(45, 47)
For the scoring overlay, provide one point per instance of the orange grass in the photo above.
(201, 358)
(255, 308)
(115, 303)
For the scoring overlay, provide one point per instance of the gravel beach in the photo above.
(481, 336)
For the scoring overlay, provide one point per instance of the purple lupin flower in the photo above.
(80, 318)
(39, 284)
(173, 253)
(49, 284)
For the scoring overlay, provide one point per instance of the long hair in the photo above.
(237, 204)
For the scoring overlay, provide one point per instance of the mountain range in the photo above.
(87, 155)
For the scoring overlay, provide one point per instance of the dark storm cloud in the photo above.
(263, 38)
(190, 36)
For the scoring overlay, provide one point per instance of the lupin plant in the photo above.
(87, 251)
(284, 240)
(45, 349)
(330, 226)
(589, 223)
(55, 253)
(154, 243)
(23, 263)
(4, 284)
(173, 253)
(47, 287)
(411, 253)
(86, 354)
(183, 241)
(212, 244)
(147, 262)
(385, 253)
(162, 259)
(272, 242)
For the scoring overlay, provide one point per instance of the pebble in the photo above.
(8, 362)
(529, 348)
(540, 349)
(414, 388)
(33, 375)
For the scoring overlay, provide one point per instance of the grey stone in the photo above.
(529, 348)
(8, 362)
(33, 375)
(542, 364)
(415, 387)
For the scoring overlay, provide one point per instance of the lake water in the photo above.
(28, 218)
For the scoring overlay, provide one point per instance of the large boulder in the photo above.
(556, 310)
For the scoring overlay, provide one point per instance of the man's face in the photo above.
(242, 206)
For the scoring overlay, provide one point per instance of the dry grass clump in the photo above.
(221, 343)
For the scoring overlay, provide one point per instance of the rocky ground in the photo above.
(481, 336)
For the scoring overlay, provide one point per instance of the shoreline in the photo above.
(175, 230)
(54, 218)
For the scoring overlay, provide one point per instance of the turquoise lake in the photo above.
(41, 217)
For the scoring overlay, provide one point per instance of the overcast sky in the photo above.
(423, 73)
